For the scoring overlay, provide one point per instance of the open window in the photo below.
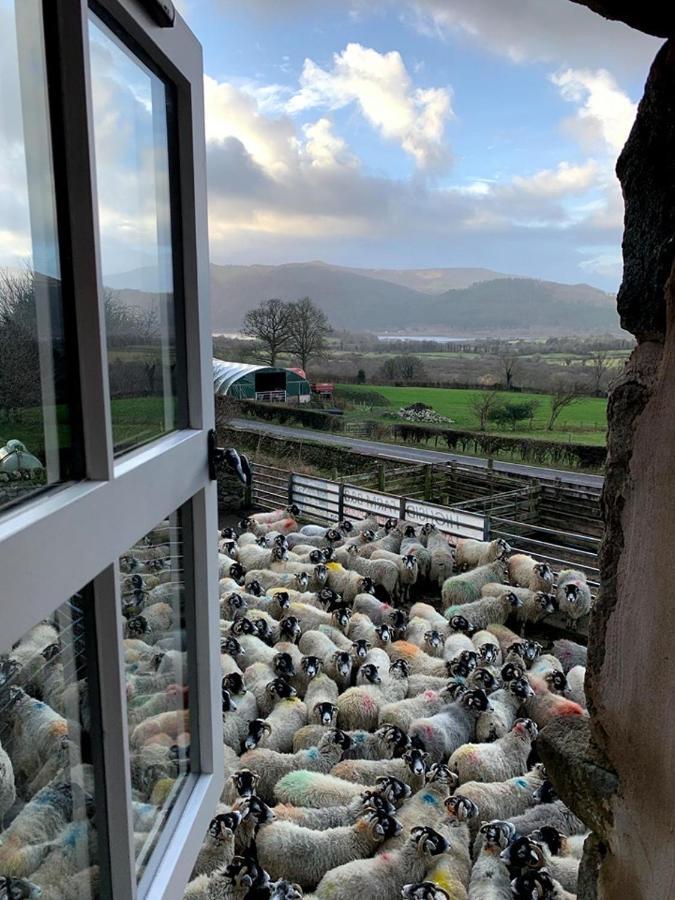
(106, 399)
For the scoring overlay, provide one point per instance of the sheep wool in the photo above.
(461, 589)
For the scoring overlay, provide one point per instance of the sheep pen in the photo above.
(382, 660)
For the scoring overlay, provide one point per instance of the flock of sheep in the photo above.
(373, 742)
(380, 746)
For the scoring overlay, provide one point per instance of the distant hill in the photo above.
(459, 301)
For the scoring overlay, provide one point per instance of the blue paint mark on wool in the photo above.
(429, 798)
(359, 737)
(521, 782)
(312, 753)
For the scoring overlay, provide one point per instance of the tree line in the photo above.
(297, 327)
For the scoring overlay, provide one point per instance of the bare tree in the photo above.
(599, 364)
(510, 364)
(563, 396)
(270, 324)
(482, 405)
(308, 329)
(19, 351)
(405, 367)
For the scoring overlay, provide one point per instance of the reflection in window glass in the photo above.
(156, 676)
(132, 173)
(35, 426)
(48, 838)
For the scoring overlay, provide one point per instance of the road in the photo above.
(417, 454)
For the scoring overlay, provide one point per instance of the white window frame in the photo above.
(61, 540)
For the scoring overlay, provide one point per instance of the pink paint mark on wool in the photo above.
(384, 856)
(368, 703)
(429, 695)
(428, 730)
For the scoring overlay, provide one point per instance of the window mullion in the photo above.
(70, 104)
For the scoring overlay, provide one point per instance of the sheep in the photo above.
(490, 878)
(382, 572)
(302, 788)
(504, 758)
(38, 735)
(559, 844)
(524, 853)
(424, 890)
(576, 680)
(544, 706)
(503, 799)
(554, 814)
(410, 544)
(453, 726)
(524, 571)
(420, 633)
(538, 884)
(408, 569)
(452, 870)
(218, 847)
(7, 785)
(460, 589)
(311, 618)
(361, 628)
(277, 730)
(385, 743)
(469, 553)
(358, 707)
(431, 615)
(333, 816)
(317, 576)
(420, 662)
(441, 554)
(505, 704)
(64, 858)
(383, 877)
(18, 888)
(486, 610)
(426, 806)
(271, 766)
(240, 879)
(320, 700)
(409, 768)
(265, 580)
(305, 855)
(487, 646)
(544, 665)
(574, 595)
(570, 654)
(404, 712)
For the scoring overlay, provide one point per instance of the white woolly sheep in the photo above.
(524, 571)
(570, 654)
(426, 806)
(544, 705)
(503, 799)
(284, 720)
(409, 768)
(442, 557)
(408, 570)
(7, 785)
(538, 884)
(576, 681)
(452, 869)
(431, 615)
(490, 878)
(464, 588)
(404, 712)
(383, 877)
(305, 855)
(504, 758)
(486, 610)
(469, 553)
(574, 595)
(444, 732)
(525, 854)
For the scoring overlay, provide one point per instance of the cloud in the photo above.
(380, 85)
(605, 115)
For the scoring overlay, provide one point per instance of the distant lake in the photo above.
(435, 338)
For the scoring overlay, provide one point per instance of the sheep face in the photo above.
(546, 793)
(512, 672)
(498, 834)
(302, 581)
(237, 571)
(484, 679)
(382, 825)
(311, 666)
(360, 648)
(284, 890)
(333, 535)
(461, 808)
(231, 646)
(392, 789)
(432, 639)
(385, 633)
(548, 603)
(229, 534)
(244, 781)
(327, 595)
(228, 703)
(521, 688)
(415, 760)
(290, 629)
(257, 729)
(369, 674)
(395, 738)
(441, 774)
(321, 574)
(234, 683)
(400, 668)
(556, 681)
(543, 570)
(137, 626)
(283, 665)
(283, 599)
(488, 653)
(263, 630)
(241, 875)
(279, 553)
(281, 689)
(235, 601)
(504, 548)
(17, 888)
(222, 827)
(346, 526)
(526, 728)
(424, 890)
(366, 586)
(316, 557)
(523, 853)
(243, 626)
(326, 712)
(533, 885)
(553, 839)
(462, 624)
(409, 531)
(254, 587)
(343, 663)
(341, 617)
(514, 600)
(531, 650)
(293, 510)
(390, 524)
(463, 665)
(475, 700)
(428, 841)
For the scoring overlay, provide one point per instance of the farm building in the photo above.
(267, 383)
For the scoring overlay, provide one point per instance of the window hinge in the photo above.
(216, 454)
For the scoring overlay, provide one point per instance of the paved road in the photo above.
(416, 454)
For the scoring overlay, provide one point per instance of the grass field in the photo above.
(585, 421)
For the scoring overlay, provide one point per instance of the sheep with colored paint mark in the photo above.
(465, 588)
(504, 758)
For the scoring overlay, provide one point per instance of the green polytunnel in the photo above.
(243, 381)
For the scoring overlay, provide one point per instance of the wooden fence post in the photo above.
(341, 501)
(428, 482)
(381, 477)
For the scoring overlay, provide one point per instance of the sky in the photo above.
(418, 133)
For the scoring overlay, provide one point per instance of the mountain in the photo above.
(385, 300)
(452, 301)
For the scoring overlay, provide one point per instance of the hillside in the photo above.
(479, 302)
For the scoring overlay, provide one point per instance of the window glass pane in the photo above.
(35, 417)
(132, 174)
(47, 803)
(156, 674)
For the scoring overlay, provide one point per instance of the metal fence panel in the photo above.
(317, 498)
(453, 522)
(359, 503)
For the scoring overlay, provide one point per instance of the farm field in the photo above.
(585, 421)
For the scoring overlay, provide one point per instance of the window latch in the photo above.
(216, 454)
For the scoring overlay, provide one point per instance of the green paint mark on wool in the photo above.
(312, 753)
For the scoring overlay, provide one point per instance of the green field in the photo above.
(585, 421)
